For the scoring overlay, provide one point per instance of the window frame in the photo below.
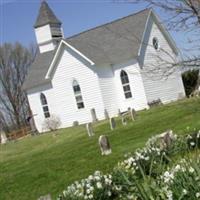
(78, 94)
(125, 84)
(45, 106)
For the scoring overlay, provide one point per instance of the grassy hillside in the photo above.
(45, 164)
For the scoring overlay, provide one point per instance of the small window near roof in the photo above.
(78, 95)
(155, 43)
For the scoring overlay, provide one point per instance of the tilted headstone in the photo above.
(133, 114)
(166, 139)
(32, 125)
(106, 114)
(94, 116)
(46, 197)
(112, 123)
(4, 138)
(104, 145)
(89, 129)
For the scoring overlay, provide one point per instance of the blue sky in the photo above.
(17, 17)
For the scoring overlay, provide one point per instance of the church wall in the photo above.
(158, 84)
(108, 89)
(69, 68)
(35, 104)
(138, 99)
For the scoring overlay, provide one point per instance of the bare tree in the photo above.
(14, 62)
(183, 16)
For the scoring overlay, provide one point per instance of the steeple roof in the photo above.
(46, 16)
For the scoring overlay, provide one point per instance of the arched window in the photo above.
(155, 43)
(125, 84)
(77, 94)
(44, 105)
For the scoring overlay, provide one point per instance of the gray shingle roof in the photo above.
(38, 70)
(46, 16)
(114, 42)
(111, 43)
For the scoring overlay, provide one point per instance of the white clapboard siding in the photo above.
(108, 89)
(61, 98)
(157, 85)
(35, 104)
(71, 67)
(44, 38)
(138, 100)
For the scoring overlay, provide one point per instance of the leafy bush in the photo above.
(96, 187)
(190, 81)
(145, 174)
(52, 123)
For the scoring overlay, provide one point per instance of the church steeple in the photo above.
(46, 16)
(47, 28)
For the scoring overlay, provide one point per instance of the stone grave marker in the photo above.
(94, 116)
(106, 114)
(104, 145)
(46, 197)
(133, 114)
(89, 129)
(112, 123)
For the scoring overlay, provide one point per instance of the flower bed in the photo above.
(148, 173)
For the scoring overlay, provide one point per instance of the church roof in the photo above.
(110, 43)
(46, 16)
(113, 42)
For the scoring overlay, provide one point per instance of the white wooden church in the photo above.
(106, 69)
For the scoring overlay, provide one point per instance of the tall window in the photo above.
(77, 94)
(44, 105)
(125, 84)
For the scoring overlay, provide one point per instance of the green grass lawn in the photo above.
(44, 164)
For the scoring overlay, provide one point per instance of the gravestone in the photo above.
(133, 114)
(166, 139)
(75, 123)
(104, 145)
(112, 123)
(106, 114)
(46, 197)
(4, 138)
(89, 129)
(94, 116)
(32, 125)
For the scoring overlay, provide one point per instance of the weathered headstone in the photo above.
(133, 114)
(46, 197)
(75, 123)
(89, 129)
(166, 139)
(104, 145)
(94, 116)
(112, 123)
(32, 125)
(106, 114)
(4, 138)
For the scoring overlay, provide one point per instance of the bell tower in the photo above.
(48, 29)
